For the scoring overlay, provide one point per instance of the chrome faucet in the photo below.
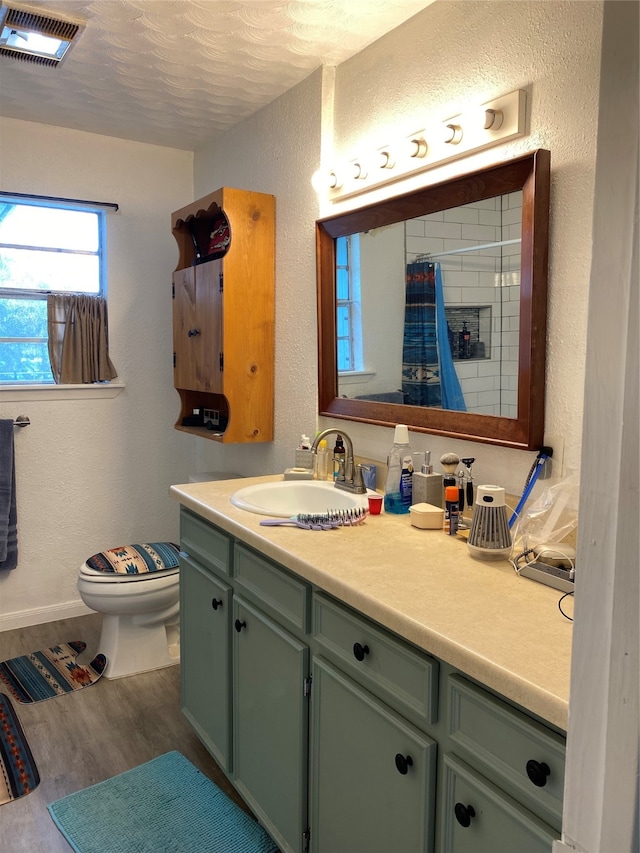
(349, 474)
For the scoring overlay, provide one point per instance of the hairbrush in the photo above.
(320, 521)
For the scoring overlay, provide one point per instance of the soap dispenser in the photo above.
(427, 487)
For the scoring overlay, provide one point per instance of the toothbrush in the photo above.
(543, 455)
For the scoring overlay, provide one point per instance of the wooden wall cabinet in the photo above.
(223, 315)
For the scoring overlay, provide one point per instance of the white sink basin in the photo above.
(285, 498)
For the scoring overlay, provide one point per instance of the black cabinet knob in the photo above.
(538, 772)
(360, 651)
(403, 763)
(464, 814)
(216, 602)
(193, 332)
(240, 625)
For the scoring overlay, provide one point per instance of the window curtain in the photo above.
(79, 339)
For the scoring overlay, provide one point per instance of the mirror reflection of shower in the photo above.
(478, 249)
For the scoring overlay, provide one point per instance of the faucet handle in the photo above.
(358, 479)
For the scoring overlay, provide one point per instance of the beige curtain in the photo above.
(79, 339)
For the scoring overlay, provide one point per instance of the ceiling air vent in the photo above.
(38, 36)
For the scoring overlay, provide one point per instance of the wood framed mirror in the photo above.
(480, 242)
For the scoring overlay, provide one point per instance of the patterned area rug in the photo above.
(49, 672)
(164, 805)
(18, 772)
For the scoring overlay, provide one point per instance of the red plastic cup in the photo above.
(375, 504)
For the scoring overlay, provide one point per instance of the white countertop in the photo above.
(504, 630)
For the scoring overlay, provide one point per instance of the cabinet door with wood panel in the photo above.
(197, 327)
(478, 817)
(270, 723)
(205, 658)
(373, 774)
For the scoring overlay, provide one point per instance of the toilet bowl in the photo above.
(140, 607)
(136, 588)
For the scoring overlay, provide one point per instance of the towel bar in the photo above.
(21, 421)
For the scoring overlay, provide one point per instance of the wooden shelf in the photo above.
(223, 314)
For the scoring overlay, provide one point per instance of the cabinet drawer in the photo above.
(277, 592)
(208, 546)
(403, 677)
(503, 741)
(477, 817)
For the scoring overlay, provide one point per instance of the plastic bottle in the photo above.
(339, 454)
(451, 510)
(398, 488)
(322, 461)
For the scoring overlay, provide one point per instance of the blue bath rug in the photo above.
(164, 806)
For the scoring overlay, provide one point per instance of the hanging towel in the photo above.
(8, 515)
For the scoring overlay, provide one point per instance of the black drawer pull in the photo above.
(240, 625)
(360, 651)
(464, 814)
(538, 772)
(216, 602)
(403, 763)
(193, 332)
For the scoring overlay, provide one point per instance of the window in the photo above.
(45, 247)
(348, 314)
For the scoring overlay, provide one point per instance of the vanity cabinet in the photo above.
(340, 735)
(223, 315)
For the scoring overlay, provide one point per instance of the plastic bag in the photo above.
(549, 519)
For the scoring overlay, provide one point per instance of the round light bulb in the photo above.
(358, 170)
(493, 119)
(385, 159)
(417, 146)
(452, 134)
(333, 180)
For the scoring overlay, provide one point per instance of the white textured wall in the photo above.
(448, 56)
(455, 54)
(94, 473)
(276, 151)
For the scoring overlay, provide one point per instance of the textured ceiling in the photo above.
(181, 72)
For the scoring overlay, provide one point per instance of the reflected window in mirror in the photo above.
(348, 304)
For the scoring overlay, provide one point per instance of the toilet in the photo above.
(136, 588)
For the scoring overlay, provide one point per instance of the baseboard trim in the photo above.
(561, 847)
(40, 615)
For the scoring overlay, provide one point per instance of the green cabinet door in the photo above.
(205, 662)
(372, 772)
(270, 720)
(477, 817)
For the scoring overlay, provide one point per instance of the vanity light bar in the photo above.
(474, 130)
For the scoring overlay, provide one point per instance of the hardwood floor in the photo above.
(92, 734)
